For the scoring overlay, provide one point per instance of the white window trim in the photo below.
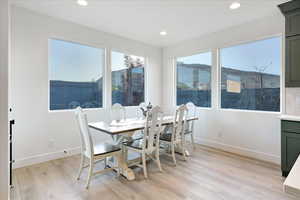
(174, 64)
(104, 77)
(216, 75)
(109, 81)
(282, 89)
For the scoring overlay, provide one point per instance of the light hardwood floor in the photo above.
(209, 174)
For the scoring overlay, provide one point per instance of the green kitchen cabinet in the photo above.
(292, 61)
(291, 11)
(292, 25)
(290, 145)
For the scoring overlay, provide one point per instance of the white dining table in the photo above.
(124, 130)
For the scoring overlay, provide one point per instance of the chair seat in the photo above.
(105, 148)
(138, 136)
(168, 129)
(166, 137)
(136, 144)
(188, 132)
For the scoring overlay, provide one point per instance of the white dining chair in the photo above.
(94, 152)
(149, 144)
(143, 104)
(140, 114)
(176, 138)
(118, 112)
(189, 130)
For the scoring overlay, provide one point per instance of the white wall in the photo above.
(292, 101)
(35, 126)
(255, 134)
(4, 63)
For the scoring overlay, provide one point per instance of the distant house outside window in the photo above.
(250, 75)
(75, 75)
(194, 79)
(128, 79)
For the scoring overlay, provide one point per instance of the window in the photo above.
(250, 76)
(194, 79)
(128, 74)
(75, 75)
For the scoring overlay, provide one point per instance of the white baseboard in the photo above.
(241, 151)
(45, 157)
(215, 144)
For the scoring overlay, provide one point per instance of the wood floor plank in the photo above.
(209, 174)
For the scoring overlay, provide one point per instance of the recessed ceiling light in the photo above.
(234, 5)
(82, 2)
(163, 33)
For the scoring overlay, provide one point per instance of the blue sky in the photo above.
(202, 58)
(74, 62)
(247, 57)
(117, 60)
(255, 55)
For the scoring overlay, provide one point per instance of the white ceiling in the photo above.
(142, 20)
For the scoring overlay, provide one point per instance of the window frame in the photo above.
(104, 71)
(281, 74)
(216, 74)
(109, 81)
(211, 76)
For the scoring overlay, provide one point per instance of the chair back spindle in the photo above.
(140, 110)
(191, 112)
(179, 122)
(153, 129)
(85, 136)
(191, 109)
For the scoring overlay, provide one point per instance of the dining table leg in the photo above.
(125, 170)
(187, 153)
(169, 130)
(123, 162)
